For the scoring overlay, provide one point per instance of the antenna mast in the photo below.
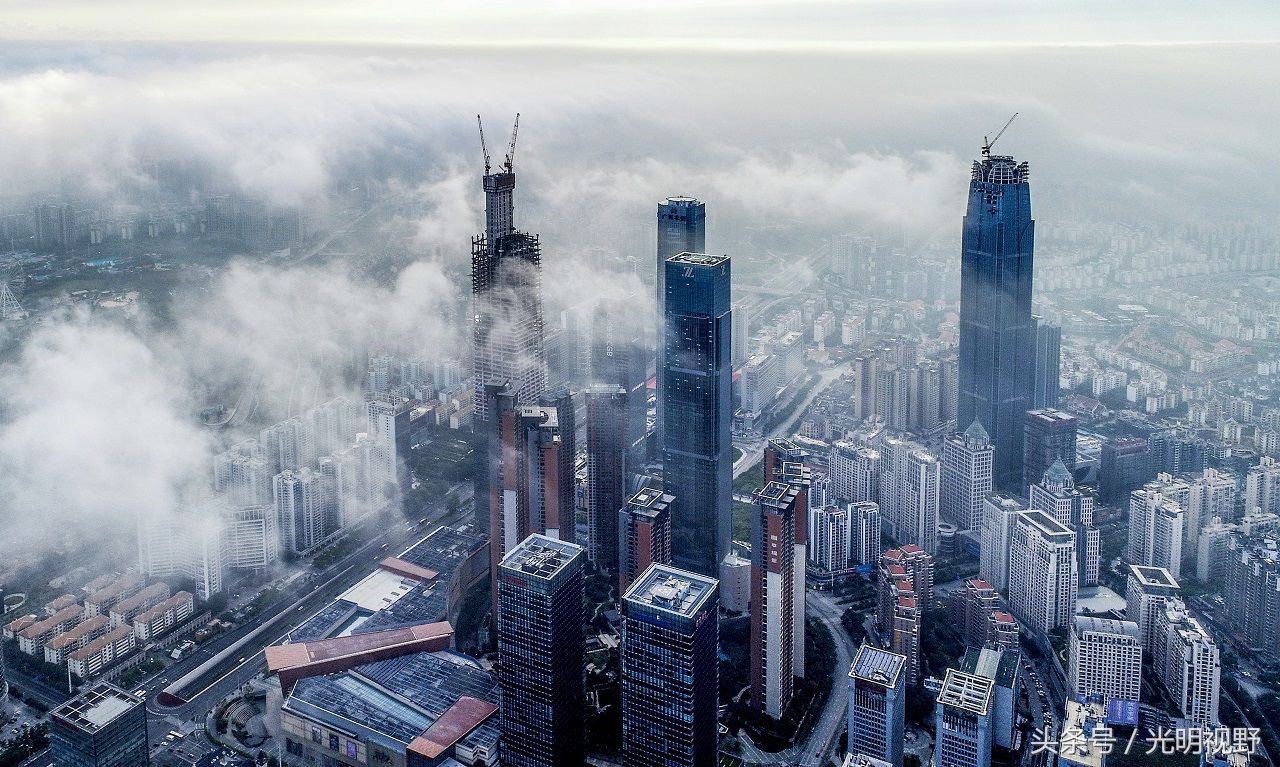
(986, 145)
(483, 148)
(511, 150)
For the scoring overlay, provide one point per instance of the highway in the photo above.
(826, 733)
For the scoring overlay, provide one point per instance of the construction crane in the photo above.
(483, 147)
(511, 149)
(986, 145)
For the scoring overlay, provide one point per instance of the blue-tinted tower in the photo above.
(682, 228)
(997, 331)
(697, 462)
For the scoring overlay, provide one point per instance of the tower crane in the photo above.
(483, 147)
(511, 149)
(986, 145)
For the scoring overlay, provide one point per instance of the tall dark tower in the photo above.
(697, 462)
(997, 332)
(682, 228)
(506, 293)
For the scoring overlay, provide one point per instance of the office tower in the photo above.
(1058, 496)
(682, 228)
(1124, 467)
(784, 461)
(997, 332)
(606, 472)
(670, 669)
(1043, 581)
(1105, 658)
(1004, 668)
(773, 606)
(1156, 528)
(1049, 435)
(966, 476)
(102, 727)
(697, 458)
(300, 504)
(962, 721)
(741, 330)
(1048, 365)
(877, 704)
(854, 471)
(541, 649)
(1253, 588)
(1262, 487)
(998, 516)
(506, 295)
(1187, 660)
(644, 534)
(620, 358)
(1146, 591)
(526, 467)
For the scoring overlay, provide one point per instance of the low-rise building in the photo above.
(100, 654)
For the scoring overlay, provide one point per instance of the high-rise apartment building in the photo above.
(1048, 365)
(540, 653)
(1057, 495)
(1105, 658)
(644, 534)
(905, 583)
(1188, 663)
(1157, 525)
(1262, 487)
(999, 513)
(784, 461)
(606, 472)
(1253, 588)
(302, 498)
(997, 331)
(976, 611)
(102, 727)
(854, 471)
(963, 721)
(773, 606)
(1213, 495)
(877, 704)
(1147, 590)
(1043, 581)
(670, 669)
(966, 477)
(697, 406)
(1048, 436)
(909, 493)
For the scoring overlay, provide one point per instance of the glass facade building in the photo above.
(670, 669)
(997, 331)
(540, 652)
(682, 228)
(697, 455)
(103, 727)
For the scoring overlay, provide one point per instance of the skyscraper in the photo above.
(773, 608)
(1156, 527)
(962, 721)
(1048, 365)
(1043, 581)
(682, 228)
(999, 513)
(966, 476)
(670, 669)
(644, 534)
(102, 727)
(1057, 495)
(918, 501)
(506, 295)
(541, 649)
(606, 472)
(1105, 658)
(877, 704)
(1146, 592)
(784, 461)
(997, 332)
(527, 465)
(1048, 436)
(697, 458)
(1188, 662)
(1125, 466)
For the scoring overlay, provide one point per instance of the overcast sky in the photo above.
(659, 23)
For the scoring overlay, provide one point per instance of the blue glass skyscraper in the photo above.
(682, 228)
(697, 463)
(997, 332)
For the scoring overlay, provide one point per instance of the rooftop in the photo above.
(540, 556)
(300, 659)
(1085, 624)
(698, 259)
(95, 709)
(1077, 744)
(1047, 525)
(967, 692)
(671, 590)
(650, 498)
(1153, 576)
(875, 665)
(95, 647)
(777, 495)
